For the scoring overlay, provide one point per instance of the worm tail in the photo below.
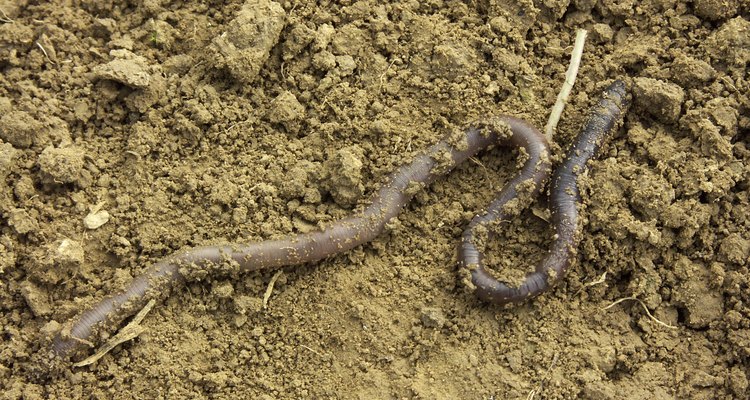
(564, 199)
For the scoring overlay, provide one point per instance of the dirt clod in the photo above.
(735, 248)
(432, 317)
(58, 261)
(661, 99)
(602, 33)
(36, 299)
(19, 129)
(286, 109)
(127, 68)
(7, 155)
(689, 71)
(197, 123)
(344, 176)
(63, 165)
(715, 9)
(22, 221)
(249, 38)
(731, 43)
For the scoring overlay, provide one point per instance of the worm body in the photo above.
(564, 198)
(158, 280)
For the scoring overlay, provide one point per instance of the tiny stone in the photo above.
(239, 320)
(95, 219)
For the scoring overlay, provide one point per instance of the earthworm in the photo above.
(563, 200)
(159, 279)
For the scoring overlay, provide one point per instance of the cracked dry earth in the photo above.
(130, 129)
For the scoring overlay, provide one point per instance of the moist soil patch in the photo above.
(131, 129)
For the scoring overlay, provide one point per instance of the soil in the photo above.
(130, 129)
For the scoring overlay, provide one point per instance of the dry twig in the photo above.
(129, 332)
(644, 309)
(570, 79)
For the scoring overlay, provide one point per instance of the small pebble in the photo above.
(239, 320)
(96, 218)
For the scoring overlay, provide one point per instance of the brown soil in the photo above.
(130, 130)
